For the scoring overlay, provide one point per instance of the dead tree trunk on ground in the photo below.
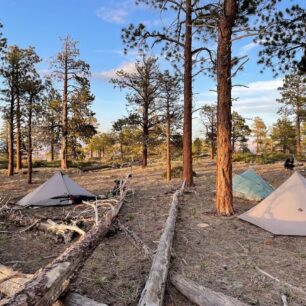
(11, 282)
(200, 295)
(197, 294)
(49, 283)
(153, 293)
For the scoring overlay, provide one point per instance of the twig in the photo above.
(284, 300)
(297, 289)
(29, 227)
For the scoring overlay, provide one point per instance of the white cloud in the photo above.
(247, 48)
(259, 99)
(258, 87)
(116, 11)
(128, 67)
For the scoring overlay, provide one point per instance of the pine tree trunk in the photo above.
(298, 125)
(18, 135)
(187, 129)
(11, 137)
(298, 136)
(30, 166)
(64, 141)
(145, 136)
(212, 142)
(168, 140)
(52, 141)
(224, 195)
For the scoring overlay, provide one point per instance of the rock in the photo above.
(203, 225)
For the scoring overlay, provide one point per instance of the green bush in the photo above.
(268, 158)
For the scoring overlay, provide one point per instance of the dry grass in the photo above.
(222, 256)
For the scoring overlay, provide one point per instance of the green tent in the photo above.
(249, 185)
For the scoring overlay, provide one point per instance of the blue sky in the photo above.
(97, 24)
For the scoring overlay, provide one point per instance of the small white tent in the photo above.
(283, 212)
(58, 190)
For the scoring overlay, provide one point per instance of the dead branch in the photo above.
(294, 288)
(50, 282)
(200, 295)
(11, 282)
(138, 242)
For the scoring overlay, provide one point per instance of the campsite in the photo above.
(153, 153)
(224, 255)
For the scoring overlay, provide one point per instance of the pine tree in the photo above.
(284, 41)
(240, 131)
(209, 120)
(170, 110)
(283, 135)
(73, 72)
(144, 89)
(259, 132)
(293, 98)
(179, 45)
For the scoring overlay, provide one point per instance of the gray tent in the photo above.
(58, 190)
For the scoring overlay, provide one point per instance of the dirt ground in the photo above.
(222, 256)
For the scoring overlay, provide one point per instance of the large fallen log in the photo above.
(201, 295)
(11, 282)
(50, 282)
(153, 293)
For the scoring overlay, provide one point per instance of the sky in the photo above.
(96, 25)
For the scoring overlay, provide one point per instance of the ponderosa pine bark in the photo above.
(64, 139)
(298, 123)
(145, 135)
(18, 134)
(11, 135)
(168, 141)
(187, 129)
(224, 195)
(30, 164)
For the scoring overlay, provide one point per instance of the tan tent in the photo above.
(283, 212)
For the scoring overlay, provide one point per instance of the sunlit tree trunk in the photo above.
(298, 124)
(30, 165)
(187, 129)
(224, 195)
(18, 135)
(145, 137)
(64, 151)
(11, 136)
(168, 140)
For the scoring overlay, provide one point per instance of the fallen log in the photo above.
(95, 167)
(153, 292)
(50, 282)
(201, 295)
(11, 282)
